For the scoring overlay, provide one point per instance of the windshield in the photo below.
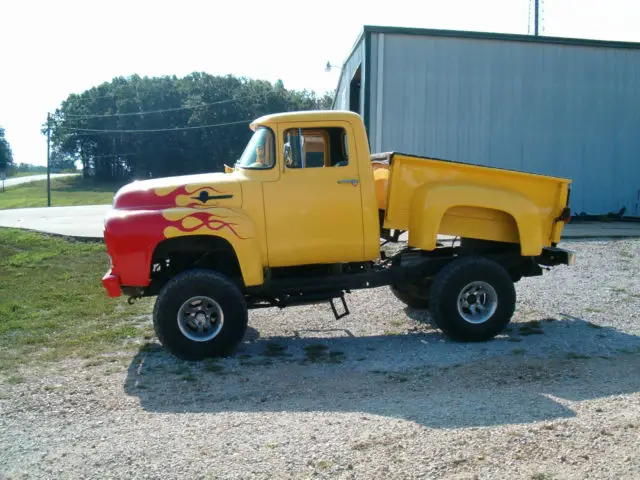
(259, 152)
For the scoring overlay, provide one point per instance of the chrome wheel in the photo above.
(200, 319)
(477, 302)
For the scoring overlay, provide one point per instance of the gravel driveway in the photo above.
(378, 394)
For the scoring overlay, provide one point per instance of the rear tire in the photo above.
(200, 314)
(472, 299)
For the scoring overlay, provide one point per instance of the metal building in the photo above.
(555, 106)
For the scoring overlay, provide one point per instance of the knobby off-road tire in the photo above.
(402, 293)
(200, 314)
(472, 299)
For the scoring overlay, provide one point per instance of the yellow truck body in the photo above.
(299, 219)
(429, 196)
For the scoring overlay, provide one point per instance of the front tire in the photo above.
(200, 314)
(472, 299)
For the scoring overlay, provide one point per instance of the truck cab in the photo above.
(300, 218)
(319, 203)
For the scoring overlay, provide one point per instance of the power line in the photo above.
(163, 110)
(114, 155)
(177, 129)
(111, 95)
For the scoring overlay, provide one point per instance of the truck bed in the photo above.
(429, 196)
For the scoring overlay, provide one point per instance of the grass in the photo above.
(396, 323)
(397, 378)
(214, 368)
(592, 310)
(317, 352)
(15, 380)
(629, 351)
(530, 328)
(542, 476)
(52, 304)
(577, 356)
(625, 253)
(66, 191)
(275, 350)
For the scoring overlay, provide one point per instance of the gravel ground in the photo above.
(378, 394)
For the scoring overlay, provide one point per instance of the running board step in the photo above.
(316, 298)
(335, 310)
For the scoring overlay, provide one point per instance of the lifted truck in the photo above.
(303, 217)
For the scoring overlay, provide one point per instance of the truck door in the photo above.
(314, 211)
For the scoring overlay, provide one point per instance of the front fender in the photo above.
(131, 237)
(232, 225)
(430, 202)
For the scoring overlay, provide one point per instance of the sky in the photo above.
(51, 49)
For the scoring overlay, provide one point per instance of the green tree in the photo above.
(61, 161)
(112, 129)
(6, 155)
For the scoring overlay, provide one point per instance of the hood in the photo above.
(188, 191)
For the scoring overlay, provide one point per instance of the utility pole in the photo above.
(48, 159)
(536, 16)
(115, 144)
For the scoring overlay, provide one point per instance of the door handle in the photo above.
(352, 181)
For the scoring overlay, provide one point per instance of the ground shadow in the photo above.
(527, 375)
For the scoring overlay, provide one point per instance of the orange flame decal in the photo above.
(194, 196)
(196, 213)
(205, 222)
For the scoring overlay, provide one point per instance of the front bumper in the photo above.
(552, 256)
(111, 283)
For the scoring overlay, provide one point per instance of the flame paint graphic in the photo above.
(202, 223)
(189, 195)
(190, 189)
(192, 216)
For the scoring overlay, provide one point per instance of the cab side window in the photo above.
(315, 147)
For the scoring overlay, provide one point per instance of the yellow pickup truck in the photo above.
(305, 216)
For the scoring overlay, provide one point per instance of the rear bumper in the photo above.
(556, 256)
(111, 283)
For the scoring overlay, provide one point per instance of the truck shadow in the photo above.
(530, 374)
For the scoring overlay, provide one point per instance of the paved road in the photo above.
(87, 221)
(12, 182)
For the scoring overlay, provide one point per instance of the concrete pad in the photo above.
(82, 221)
(12, 182)
(601, 230)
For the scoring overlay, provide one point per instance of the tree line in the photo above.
(6, 155)
(140, 127)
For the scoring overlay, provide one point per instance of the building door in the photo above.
(354, 93)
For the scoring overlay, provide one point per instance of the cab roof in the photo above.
(305, 116)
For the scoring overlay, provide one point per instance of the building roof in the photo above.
(510, 37)
(498, 36)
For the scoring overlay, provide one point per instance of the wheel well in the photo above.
(493, 225)
(175, 255)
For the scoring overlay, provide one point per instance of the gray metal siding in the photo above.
(569, 111)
